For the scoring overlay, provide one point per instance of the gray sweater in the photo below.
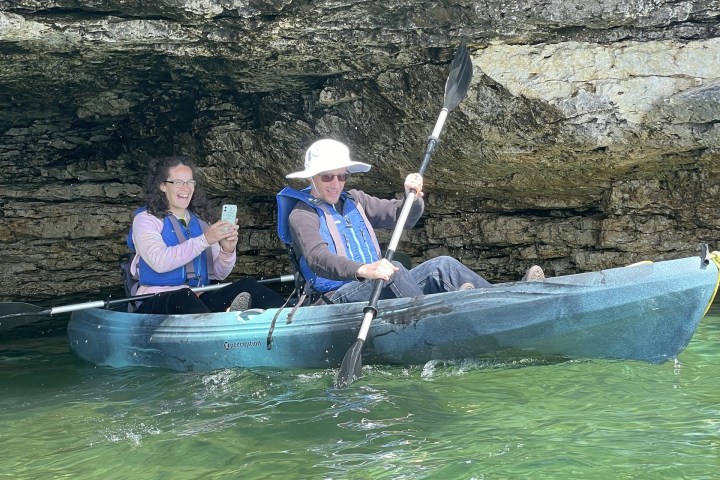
(306, 237)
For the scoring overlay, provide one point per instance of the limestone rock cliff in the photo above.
(588, 139)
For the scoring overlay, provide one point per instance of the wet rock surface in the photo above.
(588, 139)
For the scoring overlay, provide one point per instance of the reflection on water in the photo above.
(62, 418)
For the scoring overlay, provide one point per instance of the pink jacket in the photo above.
(150, 246)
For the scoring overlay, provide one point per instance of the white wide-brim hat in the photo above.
(325, 155)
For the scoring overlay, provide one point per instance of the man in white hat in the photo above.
(331, 232)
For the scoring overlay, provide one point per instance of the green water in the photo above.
(61, 418)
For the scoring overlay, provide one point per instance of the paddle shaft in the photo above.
(108, 303)
(371, 310)
(456, 88)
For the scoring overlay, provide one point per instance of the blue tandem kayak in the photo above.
(646, 312)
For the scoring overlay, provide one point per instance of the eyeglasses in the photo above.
(329, 178)
(180, 183)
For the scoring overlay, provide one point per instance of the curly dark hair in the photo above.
(155, 199)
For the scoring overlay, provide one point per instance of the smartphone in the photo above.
(229, 213)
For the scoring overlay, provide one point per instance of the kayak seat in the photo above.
(303, 292)
(130, 282)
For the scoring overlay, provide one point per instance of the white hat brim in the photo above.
(349, 165)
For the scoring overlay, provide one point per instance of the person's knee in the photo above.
(400, 265)
(404, 258)
(445, 261)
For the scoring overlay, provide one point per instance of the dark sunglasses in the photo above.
(340, 176)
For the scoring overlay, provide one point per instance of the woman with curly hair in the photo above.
(177, 249)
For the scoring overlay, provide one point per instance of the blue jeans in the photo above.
(440, 274)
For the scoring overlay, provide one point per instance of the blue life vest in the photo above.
(195, 273)
(348, 233)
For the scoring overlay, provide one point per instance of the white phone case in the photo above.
(229, 213)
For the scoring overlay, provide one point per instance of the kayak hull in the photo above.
(646, 312)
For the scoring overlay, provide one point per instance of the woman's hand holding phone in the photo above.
(228, 244)
(220, 231)
(224, 231)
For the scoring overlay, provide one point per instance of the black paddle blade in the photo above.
(461, 71)
(16, 314)
(351, 365)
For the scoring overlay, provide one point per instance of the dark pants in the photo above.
(184, 300)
